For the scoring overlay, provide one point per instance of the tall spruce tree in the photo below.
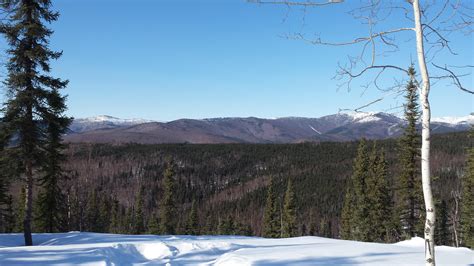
(442, 224)
(409, 192)
(168, 205)
(51, 210)
(192, 226)
(289, 228)
(34, 105)
(379, 198)
(359, 221)
(139, 218)
(467, 202)
(153, 225)
(347, 212)
(115, 217)
(271, 220)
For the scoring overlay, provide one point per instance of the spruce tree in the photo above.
(442, 224)
(115, 217)
(289, 228)
(92, 212)
(9, 215)
(139, 219)
(226, 226)
(271, 221)
(325, 227)
(192, 226)
(379, 198)
(467, 202)
(409, 192)
(34, 106)
(153, 225)
(51, 210)
(3, 203)
(168, 205)
(347, 212)
(20, 210)
(312, 227)
(359, 221)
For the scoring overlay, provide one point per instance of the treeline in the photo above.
(120, 188)
(377, 210)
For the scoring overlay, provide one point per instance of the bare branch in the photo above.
(318, 41)
(454, 77)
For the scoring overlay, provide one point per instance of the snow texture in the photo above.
(113, 120)
(469, 119)
(107, 249)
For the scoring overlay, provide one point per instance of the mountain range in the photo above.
(336, 127)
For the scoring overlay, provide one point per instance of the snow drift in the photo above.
(107, 249)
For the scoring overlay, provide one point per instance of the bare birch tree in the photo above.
(432, 22)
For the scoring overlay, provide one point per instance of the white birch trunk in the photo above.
(425, 142)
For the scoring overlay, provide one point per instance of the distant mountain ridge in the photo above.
(336, 127)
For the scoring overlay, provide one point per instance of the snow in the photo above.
(469, 119)
(114, 120)
(76, 248)
(315, 130)
(363, 117)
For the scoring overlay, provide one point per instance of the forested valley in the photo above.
(120, 188)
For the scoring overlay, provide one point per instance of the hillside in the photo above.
(229, 181)
(336, 127)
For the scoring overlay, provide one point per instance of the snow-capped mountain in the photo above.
(467, 120)
(337, 127)
(103, 122)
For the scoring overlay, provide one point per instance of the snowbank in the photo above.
(107, 249)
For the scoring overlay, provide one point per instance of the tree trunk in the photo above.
(425, 142)
(28, 205)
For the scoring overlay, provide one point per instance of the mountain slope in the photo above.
(337, 127)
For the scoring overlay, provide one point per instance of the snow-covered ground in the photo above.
(107, 249)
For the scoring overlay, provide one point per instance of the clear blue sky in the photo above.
(170, 59)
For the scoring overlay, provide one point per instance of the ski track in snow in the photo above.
(107, 249)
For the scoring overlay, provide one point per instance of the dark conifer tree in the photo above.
(3, 204)
(168, 204)
(139, 218)
(312, 227)
(409, 193)
(271, 220)
(359, 222)
(92, 213)
(467, 202)
(379, 198)
(325, 227)
(115, 218)
(51, 207)
(192, 227)
(20, 210)
(442, 224)
(226, 226)
(153, 225)
(347, 212)
(34, 105)
(9, 215)
(289, 228)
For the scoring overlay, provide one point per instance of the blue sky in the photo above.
(170, 59)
